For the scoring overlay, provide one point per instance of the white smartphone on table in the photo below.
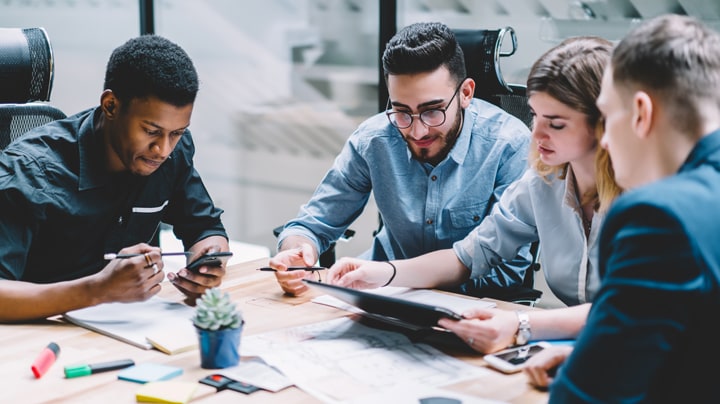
(513, 359)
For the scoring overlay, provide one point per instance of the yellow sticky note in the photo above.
(173, 340)
(169, 392)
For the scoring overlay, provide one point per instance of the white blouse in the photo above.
(532, 209)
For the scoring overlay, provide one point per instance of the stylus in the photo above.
(112, 256)
(293, 269)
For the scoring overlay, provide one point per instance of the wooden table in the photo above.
(264, 308)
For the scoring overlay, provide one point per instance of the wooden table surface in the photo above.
(264, 307)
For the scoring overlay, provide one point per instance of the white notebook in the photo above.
(168, 324)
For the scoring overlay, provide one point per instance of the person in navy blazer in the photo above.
(650, 333)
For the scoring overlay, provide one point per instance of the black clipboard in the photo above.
(395, 310)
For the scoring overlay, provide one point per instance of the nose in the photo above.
(537, 132)
(417, 129)
(162, 146)
(604, 140)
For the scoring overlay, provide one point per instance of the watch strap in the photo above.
(524, 333)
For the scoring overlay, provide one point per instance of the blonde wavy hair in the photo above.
(571, 73)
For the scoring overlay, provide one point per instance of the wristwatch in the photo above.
(523, 335)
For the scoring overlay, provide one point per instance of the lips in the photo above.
(153, 162)
(424, 143)
(544, 150)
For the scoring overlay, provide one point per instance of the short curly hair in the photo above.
(150, 65)
(423, 47)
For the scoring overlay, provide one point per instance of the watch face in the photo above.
(523, 336)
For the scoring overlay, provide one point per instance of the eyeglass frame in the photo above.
(389, 111)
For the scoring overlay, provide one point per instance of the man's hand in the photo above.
(541, 368)
(194, 284)
(291, 281)
(130, 279)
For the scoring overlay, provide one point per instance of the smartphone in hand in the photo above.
(212, 259)
(512, 360)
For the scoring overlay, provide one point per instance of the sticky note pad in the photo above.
(166, 392)
(149, 372)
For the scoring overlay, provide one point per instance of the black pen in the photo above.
(112, 256)
(312, 269)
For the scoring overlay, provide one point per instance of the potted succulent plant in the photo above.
(219, 325)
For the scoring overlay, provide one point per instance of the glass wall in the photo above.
(285, 82)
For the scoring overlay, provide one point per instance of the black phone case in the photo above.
(210, 259)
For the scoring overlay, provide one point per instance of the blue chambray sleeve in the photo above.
(338, 200)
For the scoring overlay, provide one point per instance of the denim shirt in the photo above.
(423, 208)
(61, 210)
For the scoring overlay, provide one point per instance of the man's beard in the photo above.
(449, 139)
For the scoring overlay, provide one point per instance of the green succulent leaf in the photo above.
(215, 311)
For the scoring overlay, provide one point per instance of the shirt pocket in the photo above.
(467, 216)
(143, 223)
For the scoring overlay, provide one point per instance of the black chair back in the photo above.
(482, 49)
(26, 79)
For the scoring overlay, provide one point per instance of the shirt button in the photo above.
(476, 218)
(433, 178)
(429, 221)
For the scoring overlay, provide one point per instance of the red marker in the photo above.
(45, 359)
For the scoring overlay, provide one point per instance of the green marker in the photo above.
(85, 370)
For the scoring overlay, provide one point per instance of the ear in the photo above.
(109, 104)
(467, 91)
(642, 114)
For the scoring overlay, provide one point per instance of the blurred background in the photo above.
(285, 82)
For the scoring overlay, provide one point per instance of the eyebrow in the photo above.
(421, 105)
(551, 117)
(153, 124)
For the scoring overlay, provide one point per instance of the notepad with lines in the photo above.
(168, 324)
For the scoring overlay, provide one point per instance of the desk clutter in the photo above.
(155, 378)
(295, 350)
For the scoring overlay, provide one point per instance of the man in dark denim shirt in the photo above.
(101, 181)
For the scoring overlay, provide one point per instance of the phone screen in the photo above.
(521, 354)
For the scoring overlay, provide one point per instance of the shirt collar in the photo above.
(462, 145)
(571, 193)
(91, 152)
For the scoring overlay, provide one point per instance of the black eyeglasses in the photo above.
(430, 117)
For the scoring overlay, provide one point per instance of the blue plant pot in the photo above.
(219, 349)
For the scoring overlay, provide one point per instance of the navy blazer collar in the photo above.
(708, 148)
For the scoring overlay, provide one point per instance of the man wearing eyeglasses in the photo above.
(435, 161)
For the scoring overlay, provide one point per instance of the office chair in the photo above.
(26, 78)
(482, 49)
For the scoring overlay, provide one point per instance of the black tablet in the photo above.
(406, 311)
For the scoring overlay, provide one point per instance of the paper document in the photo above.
(257, 373)
(340, 359)
(167, 323)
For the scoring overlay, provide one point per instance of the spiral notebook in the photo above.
(155, 323)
